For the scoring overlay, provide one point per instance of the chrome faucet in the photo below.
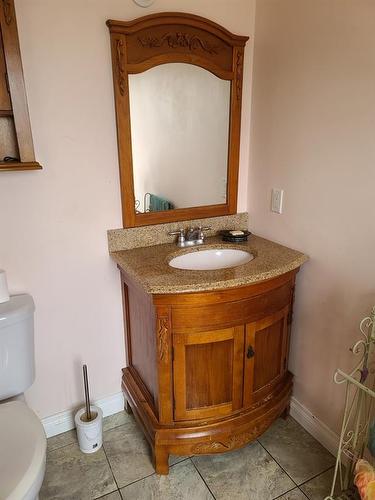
(190, 237)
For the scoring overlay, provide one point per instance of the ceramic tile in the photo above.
(295, 494)
(248, 473)
(112, 496)
(115, 420)
(174, 459)
(128, 453)
(55, 442)
(71, 474)
(319, 487)
(182, 483)
(298, 453)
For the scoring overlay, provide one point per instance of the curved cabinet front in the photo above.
(207, 371)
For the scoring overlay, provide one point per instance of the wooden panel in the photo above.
(225, 314)
(265, 355)
(268, 359)
(5, 104)
(209, 374)
(226, 295)
(8, 140)
(208, 371)
(139, 316)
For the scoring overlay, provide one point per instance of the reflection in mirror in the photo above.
(180, 133)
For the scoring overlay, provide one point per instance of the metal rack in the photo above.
(358, 411)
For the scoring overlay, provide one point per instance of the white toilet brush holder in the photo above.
(89, 432)
(88, 422)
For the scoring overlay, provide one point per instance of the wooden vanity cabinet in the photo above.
(207, 371)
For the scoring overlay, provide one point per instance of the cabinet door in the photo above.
(5, 106)
(208, 373)
(265, 355)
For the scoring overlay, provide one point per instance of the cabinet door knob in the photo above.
(250, 351)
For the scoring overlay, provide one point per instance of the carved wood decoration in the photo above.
(239, 65)
(120, 65)
(162, 332)
(157, 39)
(174, 40)
(7, 11)
(233, 442)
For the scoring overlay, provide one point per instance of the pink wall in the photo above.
(313, 121)
(53, 222)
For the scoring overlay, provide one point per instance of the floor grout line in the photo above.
(149, 475)
(110, 493)
(316, 475)
(297, 485)
(295, 488)
(282, 468)
(110, 467)
(76, 440)
(196, 468)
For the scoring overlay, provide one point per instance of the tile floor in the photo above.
(285, 463)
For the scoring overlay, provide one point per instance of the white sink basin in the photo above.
(205, 260)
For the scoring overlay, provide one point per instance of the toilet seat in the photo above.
(22, 452)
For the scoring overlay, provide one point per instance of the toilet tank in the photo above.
(17, 364)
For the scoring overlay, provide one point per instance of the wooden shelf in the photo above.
(15, 129)
(6, 112)
(16, 165)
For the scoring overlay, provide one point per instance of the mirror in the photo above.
(178, 90)
(179, 115)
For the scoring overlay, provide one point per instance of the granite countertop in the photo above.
(149, 266)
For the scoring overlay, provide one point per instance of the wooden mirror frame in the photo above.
(157, 39)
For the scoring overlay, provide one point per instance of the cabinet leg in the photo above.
(127, 408)
(161, 460)
(286, 412)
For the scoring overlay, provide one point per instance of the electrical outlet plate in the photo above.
(277, 200)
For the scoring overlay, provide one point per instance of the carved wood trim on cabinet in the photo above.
(156, 39)
(216, 388)
(18, 114)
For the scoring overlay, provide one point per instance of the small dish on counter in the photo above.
(235, 235)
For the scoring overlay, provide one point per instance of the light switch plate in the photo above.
(277, 201)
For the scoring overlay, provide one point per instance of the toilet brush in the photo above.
(88, 422)
(87, 394)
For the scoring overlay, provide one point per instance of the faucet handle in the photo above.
(201, 229)
(179, 232)
(181, 236)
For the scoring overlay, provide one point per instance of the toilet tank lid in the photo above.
(16, 309)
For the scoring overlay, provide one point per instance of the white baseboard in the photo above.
(314, 426)
(64, 421)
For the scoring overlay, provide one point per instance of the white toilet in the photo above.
(22, 439)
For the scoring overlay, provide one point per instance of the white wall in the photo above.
(313, 136)
(53, 223)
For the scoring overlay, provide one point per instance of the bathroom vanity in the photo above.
(207, 351)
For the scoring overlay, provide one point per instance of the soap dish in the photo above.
(235, 235)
